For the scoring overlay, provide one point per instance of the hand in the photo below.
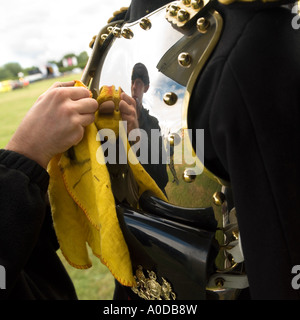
(128, 109)
(54, 123)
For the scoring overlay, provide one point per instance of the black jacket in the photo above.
(247, 101)
(27, 240)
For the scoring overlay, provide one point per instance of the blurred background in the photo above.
(43, 42)
(42, 38)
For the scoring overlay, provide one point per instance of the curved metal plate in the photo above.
(174, 57)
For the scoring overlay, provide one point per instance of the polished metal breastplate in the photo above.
(174, 43)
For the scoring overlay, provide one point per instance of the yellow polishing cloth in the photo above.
(82, 202)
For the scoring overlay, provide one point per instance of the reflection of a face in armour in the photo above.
(140, 83)
(147, 146)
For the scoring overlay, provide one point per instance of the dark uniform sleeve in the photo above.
(254, 138)
(23, 186)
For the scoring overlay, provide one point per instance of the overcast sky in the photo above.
(35, 31)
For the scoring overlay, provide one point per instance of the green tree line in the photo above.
(10, 70)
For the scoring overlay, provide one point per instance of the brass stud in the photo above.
(110, 29)
(235, 234)
(145, 24)
(183, 15)
(202, 25)
(170, 98)
(189, 175)
(173, 10)
(127, 33)
(219, 198)
(103, 37)
(91, 44)
(171, 140)
(116, 32)
(197, 4)
(185, 59)
(186, 2)
(174, 139)
(219, 282)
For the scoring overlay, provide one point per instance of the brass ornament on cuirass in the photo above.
(148, 287)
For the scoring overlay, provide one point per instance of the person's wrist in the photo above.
(30, 151)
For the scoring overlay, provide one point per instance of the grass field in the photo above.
(95, 283)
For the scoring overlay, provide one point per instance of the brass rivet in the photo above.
(103, 36)
(219, 282)
(145, 24)
(197, 4)
(127, 33)
(185, 59)
(91, 44)
(219, 198)
(116, 32)
(171, 139)
(189, 175)
(186, 2)
(202, 25)
(170, 98)
(173, 10)
(174, 139)
(183, 15)
(235, 234)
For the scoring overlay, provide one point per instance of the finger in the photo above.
(76, 93)
(87, 119)
(62, 84)
(128, 99)
(86, 106)
(107, 107)
(126, 108)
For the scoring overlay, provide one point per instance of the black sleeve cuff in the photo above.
(33, 170)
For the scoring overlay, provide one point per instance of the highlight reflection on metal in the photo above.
(185, 59)
(173, 9)
(183, 15)
(145, 24)
(202, 25)
(189, 175)
(218, 198)
(197, 4)
(170, 98)
(150, 288)
(127, 33)
(116, 31)
(174, 139)
(104, 36)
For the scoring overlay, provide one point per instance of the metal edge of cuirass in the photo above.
(99, 46)
(192, 81)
